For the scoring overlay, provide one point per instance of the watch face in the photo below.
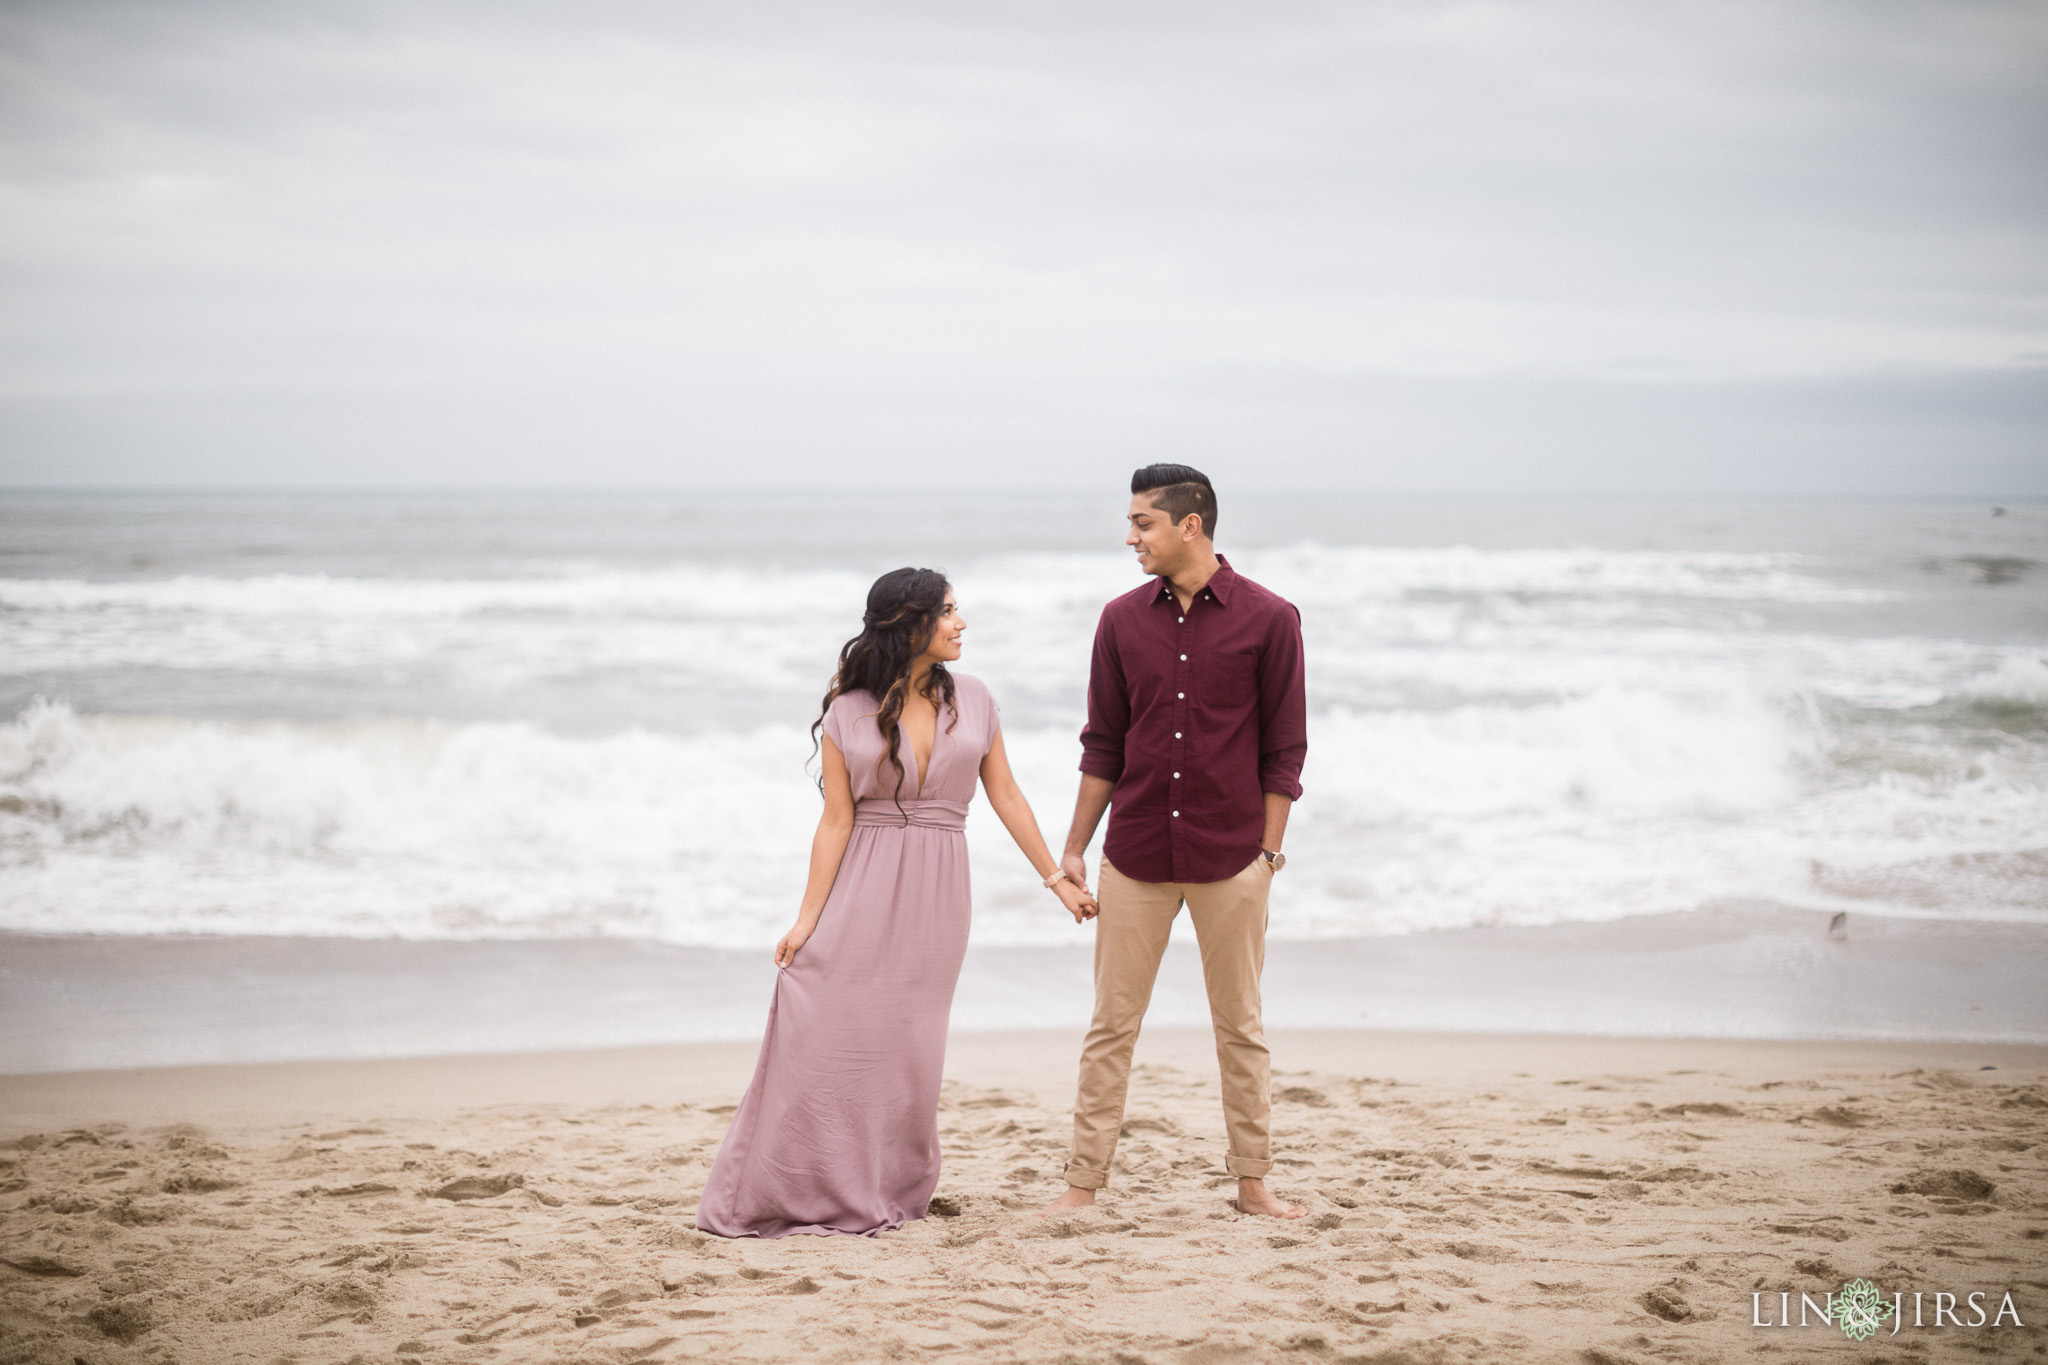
(1276, 861)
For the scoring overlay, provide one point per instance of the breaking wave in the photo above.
(1621, 801)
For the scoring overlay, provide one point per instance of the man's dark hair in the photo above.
(1179, 490)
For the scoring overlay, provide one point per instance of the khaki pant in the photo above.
(1130, 937)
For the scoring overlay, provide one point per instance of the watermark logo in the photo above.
(1859, 1310)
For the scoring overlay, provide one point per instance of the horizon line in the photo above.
(1312, 488)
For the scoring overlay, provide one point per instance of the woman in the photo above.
(839, 1131)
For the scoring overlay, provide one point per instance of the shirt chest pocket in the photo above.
(1230, 679)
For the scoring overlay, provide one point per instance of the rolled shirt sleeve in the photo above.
(1283, 706)
(1109, 707)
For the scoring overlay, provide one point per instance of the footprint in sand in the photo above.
(1289, 1275)
(1707, 1108)
(1839, 1116)
(628, 1293)
(479, 1187)
(1963, 1186)
(195, 1147)
(1672, 1302)
(31, 1264)
(1146, 1124)
(1302, 1094)
(195, 1180)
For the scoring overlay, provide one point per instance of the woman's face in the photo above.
(945, 643)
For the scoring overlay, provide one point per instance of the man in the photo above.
(1197, 726)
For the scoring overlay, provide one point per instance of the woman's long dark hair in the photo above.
(904, 607)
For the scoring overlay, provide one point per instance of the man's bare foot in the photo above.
(1074, 1198)
(1254, 1197)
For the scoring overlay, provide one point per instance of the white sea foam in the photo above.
(2020, 679)
(1623, 801)
(395, 828)
(1384, 626)
(693, 590)
(1497, 736)
(1311, 574)
(1316, 575)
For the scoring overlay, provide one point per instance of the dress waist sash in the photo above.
(930, 814)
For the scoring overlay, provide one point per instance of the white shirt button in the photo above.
(1176, 774)
(1183, 658)
(1182, 695)
(1183, 620)
(1176, 734)
(1176, 815)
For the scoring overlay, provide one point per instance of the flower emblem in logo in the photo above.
(1859, 1308)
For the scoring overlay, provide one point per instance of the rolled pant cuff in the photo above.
(1081, 1178)
(1243, 1167)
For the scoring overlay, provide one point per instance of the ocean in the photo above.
(547, 716)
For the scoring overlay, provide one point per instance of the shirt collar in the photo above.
(1218, 587)
(1222, 582)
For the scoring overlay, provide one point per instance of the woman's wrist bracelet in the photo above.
(1059, 874)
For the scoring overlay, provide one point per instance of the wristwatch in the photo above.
(1274, 861)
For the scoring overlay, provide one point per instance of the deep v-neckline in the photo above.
(923, 770)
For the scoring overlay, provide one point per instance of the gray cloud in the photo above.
(1726, 247)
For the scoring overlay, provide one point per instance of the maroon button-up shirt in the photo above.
(1194, 715)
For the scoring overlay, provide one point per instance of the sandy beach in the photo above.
(1471, 1198)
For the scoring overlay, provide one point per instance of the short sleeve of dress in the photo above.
(978, 710)
(835, 724)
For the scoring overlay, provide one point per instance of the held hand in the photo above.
(1076, 868)
(786, 946)
(1079, 903)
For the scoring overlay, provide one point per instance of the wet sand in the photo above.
(1470, 1197)
(1736, 971)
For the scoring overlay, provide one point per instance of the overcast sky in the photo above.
(1577, 247)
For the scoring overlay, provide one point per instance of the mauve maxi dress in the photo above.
(839, 1131)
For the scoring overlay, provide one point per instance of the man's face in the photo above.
(1163, 548)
